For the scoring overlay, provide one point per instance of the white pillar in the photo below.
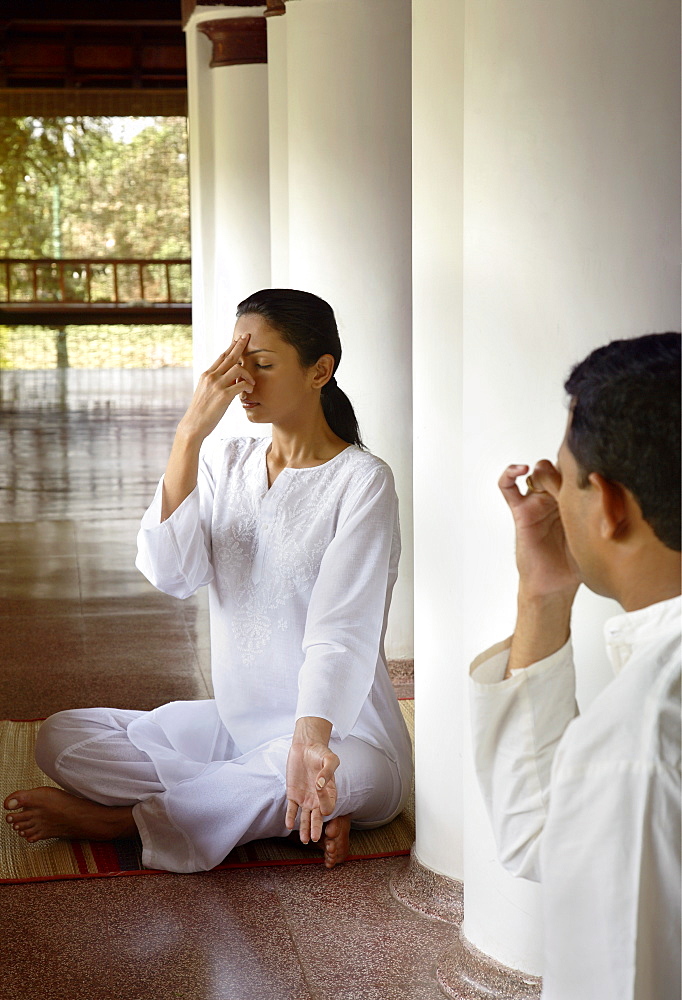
(437, 53)
(559, 127)
(349, 219)
(278, 95)
(571, 223)
(229, 189)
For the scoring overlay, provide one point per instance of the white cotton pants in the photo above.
(192, 810)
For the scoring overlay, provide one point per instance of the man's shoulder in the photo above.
(636, 718)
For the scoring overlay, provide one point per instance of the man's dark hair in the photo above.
(625, 424)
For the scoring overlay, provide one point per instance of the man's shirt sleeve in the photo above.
(517, 725)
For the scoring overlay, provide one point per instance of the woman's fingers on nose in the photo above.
(238, 373)
(239, 343)
(232, 354)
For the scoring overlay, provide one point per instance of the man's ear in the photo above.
(616, 503)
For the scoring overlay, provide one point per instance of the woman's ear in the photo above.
(323, 369)
(615, 514)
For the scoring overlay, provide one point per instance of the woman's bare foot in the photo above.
(336, 840)
(40, 813)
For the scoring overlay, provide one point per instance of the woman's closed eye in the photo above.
(263, 367)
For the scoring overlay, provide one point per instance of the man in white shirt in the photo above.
(589, 804)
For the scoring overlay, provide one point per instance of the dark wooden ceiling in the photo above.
(102, 57)
(111, 45)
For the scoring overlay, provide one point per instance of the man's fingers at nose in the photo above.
(507, 483)
(546, 478)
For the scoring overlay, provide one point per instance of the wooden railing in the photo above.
(95, 281)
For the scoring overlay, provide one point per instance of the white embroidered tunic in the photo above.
(300, 578)
(590, 805)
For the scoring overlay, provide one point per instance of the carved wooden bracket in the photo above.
(275, 8)
(188, 6)
(237, 41)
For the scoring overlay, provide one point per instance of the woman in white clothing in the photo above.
(297, 540)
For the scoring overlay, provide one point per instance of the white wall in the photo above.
(571, 239)
(350, 220)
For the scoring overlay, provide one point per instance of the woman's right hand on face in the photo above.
(216, 388)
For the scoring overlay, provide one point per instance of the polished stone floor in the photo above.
(79, 626)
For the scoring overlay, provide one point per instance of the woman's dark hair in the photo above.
(625, 424)
(307, 323)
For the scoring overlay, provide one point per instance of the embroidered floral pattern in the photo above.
(252, 633)
(267, 545)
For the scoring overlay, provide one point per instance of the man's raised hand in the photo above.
(545, 565)
(548, 578)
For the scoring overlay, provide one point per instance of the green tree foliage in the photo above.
(121, 194)
(37, 156)
(134, 201)
(93, 187)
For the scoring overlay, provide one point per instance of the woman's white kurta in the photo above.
(300, 578)
(590, 805)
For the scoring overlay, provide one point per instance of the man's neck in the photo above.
(654, 578)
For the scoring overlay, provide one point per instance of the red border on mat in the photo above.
(80, 857)
(218, 868)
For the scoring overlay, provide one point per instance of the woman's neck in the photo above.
(303, 447)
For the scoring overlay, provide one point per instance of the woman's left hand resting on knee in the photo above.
(310, 778)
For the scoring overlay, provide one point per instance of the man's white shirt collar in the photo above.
(624, 631)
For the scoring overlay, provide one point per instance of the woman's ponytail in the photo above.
(307, 322)
(339, 413)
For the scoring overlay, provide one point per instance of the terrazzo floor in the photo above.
(80, 626)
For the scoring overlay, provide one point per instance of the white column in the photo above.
(439, 583)
(349, 219)
(229, 190)
(278, 95)
(558, 125)
(571, 239)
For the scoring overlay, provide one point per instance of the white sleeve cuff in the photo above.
(490, 667)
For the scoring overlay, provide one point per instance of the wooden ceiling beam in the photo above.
(120, 43)
(89, 11)
(79, 55)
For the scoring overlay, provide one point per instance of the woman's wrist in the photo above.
(310, 729)
(187, 437)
